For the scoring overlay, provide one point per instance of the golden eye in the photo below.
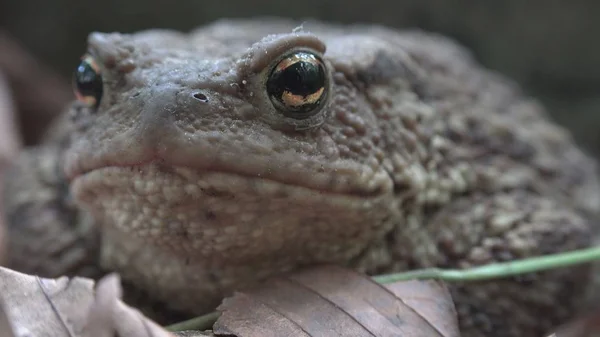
(298, 85)
(87, 81)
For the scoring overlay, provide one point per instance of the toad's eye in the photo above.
(297, 85)
(87, 81)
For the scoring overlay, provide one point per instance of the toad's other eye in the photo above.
(87, 81)
(297, 85)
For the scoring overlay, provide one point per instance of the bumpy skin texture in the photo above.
(419, 158)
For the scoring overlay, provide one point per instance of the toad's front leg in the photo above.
(482, 229)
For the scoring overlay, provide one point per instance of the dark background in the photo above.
(551, 47)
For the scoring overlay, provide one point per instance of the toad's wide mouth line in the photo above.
(312, 181)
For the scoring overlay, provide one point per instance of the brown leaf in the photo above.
(586, 326)
(67, 307)
(332, 301)
(432, 300)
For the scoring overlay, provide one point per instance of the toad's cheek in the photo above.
(214, 219)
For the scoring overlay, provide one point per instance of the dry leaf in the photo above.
(67, 307)
(586, 326)
(45, 307)
(108, 315)
(332, 301)
(5, 326)
(432, 300)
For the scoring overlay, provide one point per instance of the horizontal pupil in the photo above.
(302, 78)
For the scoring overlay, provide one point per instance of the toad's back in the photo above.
(211, 160)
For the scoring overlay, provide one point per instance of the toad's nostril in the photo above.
(201, 97)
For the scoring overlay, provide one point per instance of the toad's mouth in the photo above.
(336, 178)
(215, 219)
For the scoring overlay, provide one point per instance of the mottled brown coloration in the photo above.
(419, 158)
(47, 234)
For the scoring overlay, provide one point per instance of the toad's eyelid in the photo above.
(267, 51)
(91, 60)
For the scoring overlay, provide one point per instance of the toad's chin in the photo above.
(212, 218)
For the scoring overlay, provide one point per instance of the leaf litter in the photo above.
(320, 301)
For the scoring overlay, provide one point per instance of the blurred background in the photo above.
(550, 47)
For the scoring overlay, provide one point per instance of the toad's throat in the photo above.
(214, 218)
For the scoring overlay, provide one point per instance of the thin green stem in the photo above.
(201, 323)
(497, 270)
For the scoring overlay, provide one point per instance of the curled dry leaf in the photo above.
(45, 307)
(332, 301)
(60, 307)
(109, 317)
